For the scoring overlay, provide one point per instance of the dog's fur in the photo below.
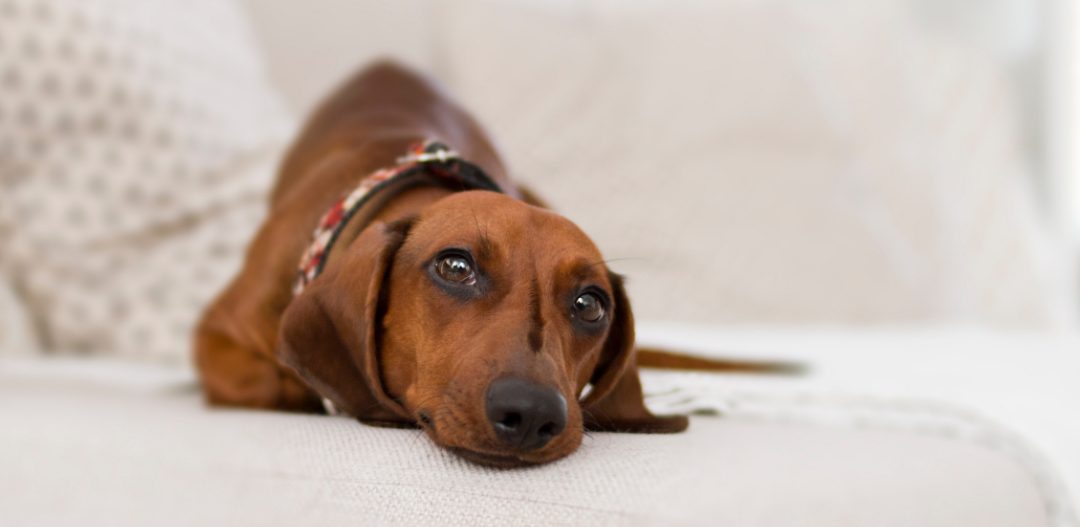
(376, 334)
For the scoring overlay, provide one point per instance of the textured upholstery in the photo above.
(81, 453)
(136, 143)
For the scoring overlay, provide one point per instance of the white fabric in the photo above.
(313, 46)
(1012, 392)
(772, 161)
(137, 141)
(16, 334)
(96, 453)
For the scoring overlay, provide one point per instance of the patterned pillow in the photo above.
(137, 140)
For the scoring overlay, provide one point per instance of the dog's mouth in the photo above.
(492, 460)
(480, 458)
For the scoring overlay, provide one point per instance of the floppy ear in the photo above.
(615, 402)
(329, 332)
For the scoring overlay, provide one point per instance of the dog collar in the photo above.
(429, 157)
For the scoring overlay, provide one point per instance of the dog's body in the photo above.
(476, 315)
(367, 125)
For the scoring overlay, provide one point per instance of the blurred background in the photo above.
(745, 163)
(885, 190)
(763, 162)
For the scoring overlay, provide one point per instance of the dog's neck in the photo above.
(427, 165)
(389, 206)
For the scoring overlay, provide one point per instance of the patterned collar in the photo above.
(430, 158)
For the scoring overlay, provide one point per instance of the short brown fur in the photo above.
(374, 335)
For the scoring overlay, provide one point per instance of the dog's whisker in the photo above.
(623, 259)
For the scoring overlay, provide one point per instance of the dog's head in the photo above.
(483, 320)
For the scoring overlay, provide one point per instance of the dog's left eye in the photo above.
(589, 307)
(456, 268)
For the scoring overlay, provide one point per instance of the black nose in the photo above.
(525, 415)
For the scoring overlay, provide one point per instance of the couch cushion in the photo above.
(772, 161)
(137, 142)
(82, 452)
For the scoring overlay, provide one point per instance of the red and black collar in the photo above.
(429, 158)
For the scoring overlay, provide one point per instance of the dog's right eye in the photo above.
(588, 307)
(455, 268)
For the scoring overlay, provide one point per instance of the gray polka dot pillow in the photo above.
(137, 140)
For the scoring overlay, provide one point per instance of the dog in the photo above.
(438, 293)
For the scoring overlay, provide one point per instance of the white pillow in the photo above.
(769, 161)
(136, 143)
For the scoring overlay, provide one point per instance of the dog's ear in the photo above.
(615, 402)
(329, 332)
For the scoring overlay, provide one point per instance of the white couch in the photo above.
(105, 444)
(808, 189)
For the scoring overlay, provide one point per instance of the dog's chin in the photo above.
(500, 460)
(493, 460)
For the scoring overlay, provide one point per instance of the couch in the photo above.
(841, 187)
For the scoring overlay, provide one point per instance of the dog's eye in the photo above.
(589, 307)
(456, 268)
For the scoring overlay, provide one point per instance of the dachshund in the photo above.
(437, 293)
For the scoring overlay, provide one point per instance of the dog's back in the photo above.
(371, 116)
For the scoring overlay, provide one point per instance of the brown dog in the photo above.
(478, 315)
